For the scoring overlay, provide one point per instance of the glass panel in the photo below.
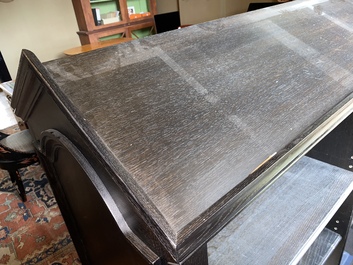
(115, 36)
(105, 11)
(138, 8)
(141, 33)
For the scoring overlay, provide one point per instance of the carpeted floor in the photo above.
(33, 232)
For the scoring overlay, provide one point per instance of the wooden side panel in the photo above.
(43, 113)
(83, 14)
(337, 147)
(94, 224)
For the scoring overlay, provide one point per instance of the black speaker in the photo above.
(4, 72)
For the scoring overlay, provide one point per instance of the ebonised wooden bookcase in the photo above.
(227, 142)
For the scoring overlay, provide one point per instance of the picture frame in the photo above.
(131, 10)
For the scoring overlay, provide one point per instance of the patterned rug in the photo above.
(33, 232)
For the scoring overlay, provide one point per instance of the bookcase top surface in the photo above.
(188, 115)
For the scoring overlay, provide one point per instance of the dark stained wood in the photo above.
(284, 221)
(184, 129)
(336, 148)
(91, 216)
(321, 249)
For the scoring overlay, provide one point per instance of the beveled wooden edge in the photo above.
(257, 182)
(95, 46)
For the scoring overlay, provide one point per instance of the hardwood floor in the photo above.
(7, 118)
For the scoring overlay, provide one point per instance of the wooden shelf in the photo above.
(321, 249)
(100, 1)
(95, 46)
(90, 33)
(281, 231)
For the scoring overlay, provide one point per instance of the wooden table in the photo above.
(159, 150)
(95, 46)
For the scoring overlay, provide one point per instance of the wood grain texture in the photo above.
(180, 120)
(283, 222)
(84, 203)
(185, 110)
(321, 249)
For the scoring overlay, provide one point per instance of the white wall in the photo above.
(197, 11)
(165, 6)
(46, 27)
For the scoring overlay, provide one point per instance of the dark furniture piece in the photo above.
(4, 72)
(17, 151)
(228, 142)
(255, 6)
(167, 21)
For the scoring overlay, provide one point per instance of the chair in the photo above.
(17, 151)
